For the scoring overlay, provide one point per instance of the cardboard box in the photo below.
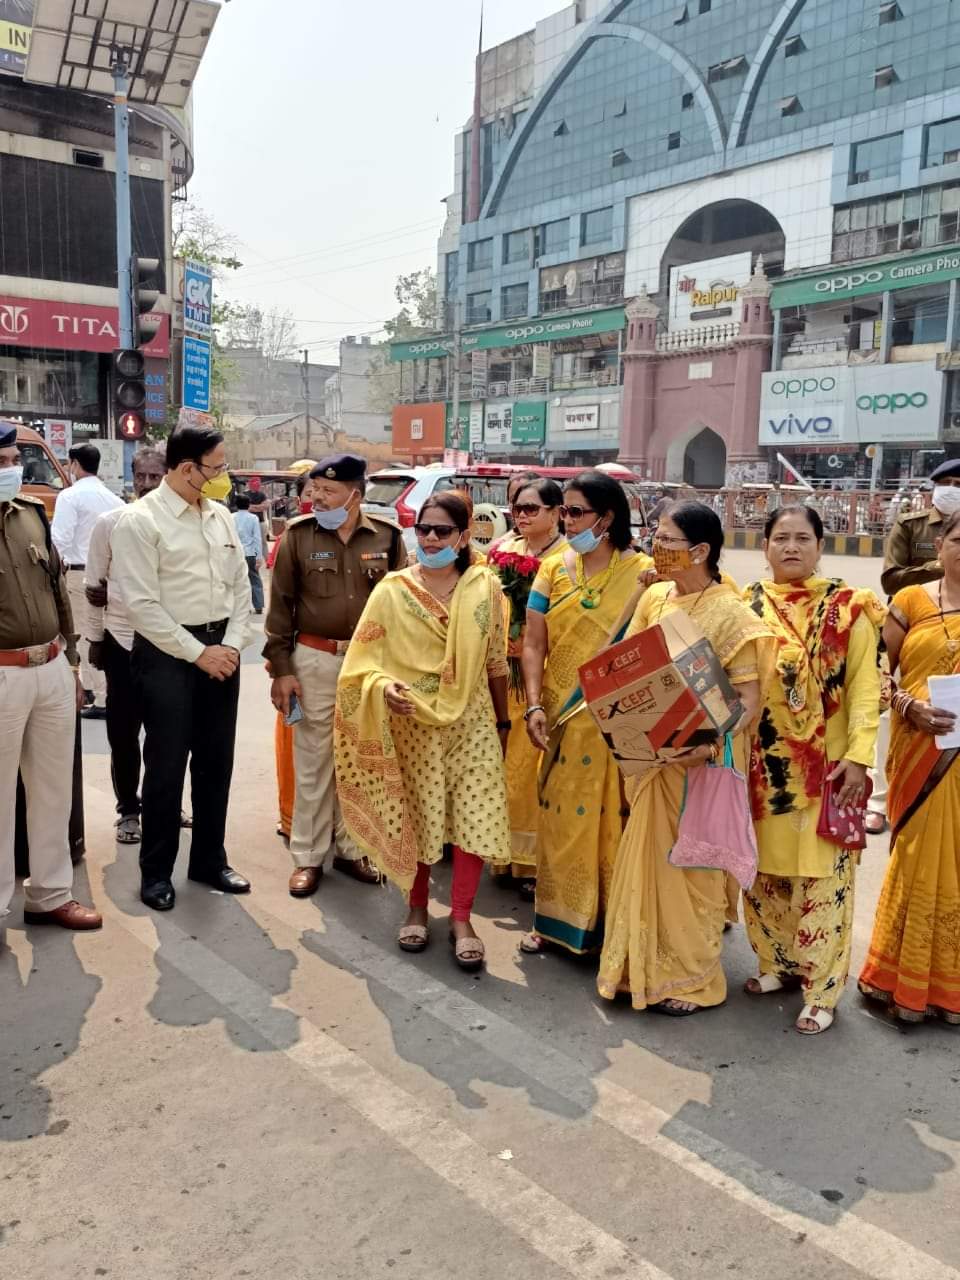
(659, 693)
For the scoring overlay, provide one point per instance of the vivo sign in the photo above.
(790, 427)
(856, 404)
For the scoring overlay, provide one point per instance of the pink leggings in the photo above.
(467, 869)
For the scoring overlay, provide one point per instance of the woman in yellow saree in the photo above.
(421, 723)
(819, 720)
(535, 507)
(576, 602)
(664, 931)
(913, 963)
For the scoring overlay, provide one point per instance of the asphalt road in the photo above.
(266, 1087)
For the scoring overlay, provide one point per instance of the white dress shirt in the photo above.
(181, 566)
(114, 618)
(77, 511)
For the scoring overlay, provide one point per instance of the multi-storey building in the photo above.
(664, 211)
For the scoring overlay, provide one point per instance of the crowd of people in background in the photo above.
(430, 706)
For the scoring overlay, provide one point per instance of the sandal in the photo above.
(822, 1017)
(671, 1011)
(768, 983)
(128, 830)
(469, 953)
(413, 937)
(532, 944)
(527, 889)
(875, 824)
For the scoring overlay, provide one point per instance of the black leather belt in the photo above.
(205, 627)
(78, 567)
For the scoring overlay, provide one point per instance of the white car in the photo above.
(399, 493)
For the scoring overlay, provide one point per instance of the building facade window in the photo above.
(941, 143)
(478, 307)
(920, 219)
(552, 237)
(596, 227)
(876, 159)
(451, 271)
(480, 255)
(516, 247)
(513, 301)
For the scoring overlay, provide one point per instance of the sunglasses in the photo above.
(528, 508)
(441, 530)
(576, 513)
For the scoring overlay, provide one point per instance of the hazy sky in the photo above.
(324, 140)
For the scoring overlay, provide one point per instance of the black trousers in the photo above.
(185, 714)
(124, 722)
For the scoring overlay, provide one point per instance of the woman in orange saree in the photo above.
(913, 963)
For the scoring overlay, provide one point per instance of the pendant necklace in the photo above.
(590, 595)
(696, 603)
(538, 555)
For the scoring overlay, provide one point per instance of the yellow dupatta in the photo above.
(405, 634)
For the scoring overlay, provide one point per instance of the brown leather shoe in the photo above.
(305, 881)
(362, 869)
(72, 915)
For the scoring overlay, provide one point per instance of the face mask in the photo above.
(584, 543)
(332, 520)
(219, 489)
(11, 482)
(671, 560)
(946, 498)
(441, 559)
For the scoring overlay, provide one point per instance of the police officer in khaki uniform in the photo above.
(39, 695)
(327, 565)
(911, 560)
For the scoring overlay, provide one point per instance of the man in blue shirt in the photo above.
(248, 531)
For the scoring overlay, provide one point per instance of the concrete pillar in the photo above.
(639, 386)
(745, 461)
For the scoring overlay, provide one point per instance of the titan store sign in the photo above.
(865, 279)
(514, 335)
(67, 326)
(859, 404)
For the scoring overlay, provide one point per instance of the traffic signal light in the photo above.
(143, 277)
(129, 393)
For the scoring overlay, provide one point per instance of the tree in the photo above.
(417, 295)
(272, 333)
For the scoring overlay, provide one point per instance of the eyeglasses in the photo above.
(666, 539)
(528, 508)
(576, 513)
(441, 530)
(217, 471)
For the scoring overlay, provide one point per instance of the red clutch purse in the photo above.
(844, 827)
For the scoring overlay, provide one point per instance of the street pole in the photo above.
(121, 120)
(306, 393)
(457, 353)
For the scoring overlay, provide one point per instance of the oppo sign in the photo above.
(852, 404)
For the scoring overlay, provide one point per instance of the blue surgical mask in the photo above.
(11, 482)
(441, 559)
(332, 520)
(584, 543)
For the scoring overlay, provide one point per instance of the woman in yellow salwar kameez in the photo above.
(819, 721)
(576, 602)
(535, 507)
(420, 725)
(913, 964)
(664, 932)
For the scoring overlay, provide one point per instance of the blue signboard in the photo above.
(196, 374)
(197, 299)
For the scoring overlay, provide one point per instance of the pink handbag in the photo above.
(716, 830)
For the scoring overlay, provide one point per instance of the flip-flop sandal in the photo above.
(128, 831)
(669, 1012)
(822, 1017)
(413, 937)
(469, 953)
(531, 944)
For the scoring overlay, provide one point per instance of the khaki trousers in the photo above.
(37, 730)
(89, 676)
(317, 820)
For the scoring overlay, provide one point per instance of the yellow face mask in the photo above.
(219, 489)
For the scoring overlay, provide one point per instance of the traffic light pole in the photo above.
(121, 115)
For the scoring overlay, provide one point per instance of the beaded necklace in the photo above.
(591, 594)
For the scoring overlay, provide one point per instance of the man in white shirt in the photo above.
(110, 634)
(183, 579)
(77, 511)
(251, 539)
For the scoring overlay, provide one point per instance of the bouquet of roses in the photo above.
(516, 574)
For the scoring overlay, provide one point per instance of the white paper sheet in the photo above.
(945, 696)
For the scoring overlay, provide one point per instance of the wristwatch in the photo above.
(504, 726)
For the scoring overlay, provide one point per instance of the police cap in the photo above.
(946, 470)
(344, 467)
(8, 434)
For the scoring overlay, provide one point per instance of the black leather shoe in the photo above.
(158, 895)
(226, 880)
